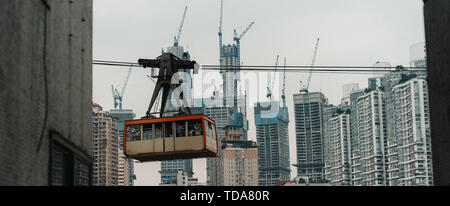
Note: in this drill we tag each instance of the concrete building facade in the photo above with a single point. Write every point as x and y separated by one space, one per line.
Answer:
46 92
437 35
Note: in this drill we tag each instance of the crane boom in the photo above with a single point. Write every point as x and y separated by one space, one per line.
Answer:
126 82
238 38
269 85
246 30
177 38
306 87
283 90
118 97
276 66
220 35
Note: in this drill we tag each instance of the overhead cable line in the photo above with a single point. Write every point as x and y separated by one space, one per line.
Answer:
293 68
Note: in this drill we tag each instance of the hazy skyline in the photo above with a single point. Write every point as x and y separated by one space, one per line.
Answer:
352 32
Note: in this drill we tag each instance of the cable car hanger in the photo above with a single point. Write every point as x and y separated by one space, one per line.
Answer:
168 65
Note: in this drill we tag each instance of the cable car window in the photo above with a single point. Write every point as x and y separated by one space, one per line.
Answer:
147 131
181 128
208 128
158 130
214 132
133 132
195 127
168 132
211 132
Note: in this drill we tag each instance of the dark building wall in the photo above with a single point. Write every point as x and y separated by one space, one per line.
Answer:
437 33
45 82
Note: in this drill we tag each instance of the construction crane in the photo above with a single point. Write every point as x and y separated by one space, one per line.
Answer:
177 38
304 88
270 85
283 90
237 38
220 35
118 97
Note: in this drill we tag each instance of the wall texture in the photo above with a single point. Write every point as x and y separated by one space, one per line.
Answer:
437 32
45 84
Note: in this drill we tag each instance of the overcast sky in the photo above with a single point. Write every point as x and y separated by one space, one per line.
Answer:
352 32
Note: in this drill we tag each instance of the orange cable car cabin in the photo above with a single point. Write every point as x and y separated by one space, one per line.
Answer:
169 138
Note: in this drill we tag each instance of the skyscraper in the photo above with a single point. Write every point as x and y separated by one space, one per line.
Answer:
371 134
338 160
230 75
412 134
105 139
126 165
354 140
273 144
309 127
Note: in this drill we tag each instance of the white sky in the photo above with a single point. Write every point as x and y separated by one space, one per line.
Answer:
352 32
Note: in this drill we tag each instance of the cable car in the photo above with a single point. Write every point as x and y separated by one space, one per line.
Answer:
169 138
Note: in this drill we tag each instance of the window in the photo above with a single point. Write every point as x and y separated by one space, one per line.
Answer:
195 127
214 132
81 172
158 130
208 129
60 166
69 166
147 132
168 132
133 132
181 128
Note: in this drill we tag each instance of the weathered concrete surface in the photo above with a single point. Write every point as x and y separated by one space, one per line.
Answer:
437 32
37 36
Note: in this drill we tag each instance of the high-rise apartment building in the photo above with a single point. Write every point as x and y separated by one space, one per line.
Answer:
105 137
222 116
309 127
126 165
412 133
371 134
338 158
240 159
354 140
273 144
